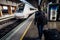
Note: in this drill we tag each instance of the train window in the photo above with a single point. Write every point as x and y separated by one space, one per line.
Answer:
21 7
32 9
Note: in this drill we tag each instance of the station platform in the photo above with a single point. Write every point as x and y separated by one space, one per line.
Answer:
27 30
32 33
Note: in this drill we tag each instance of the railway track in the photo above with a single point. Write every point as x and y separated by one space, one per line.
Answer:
9 25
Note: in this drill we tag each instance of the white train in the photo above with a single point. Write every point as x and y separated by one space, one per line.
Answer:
24 10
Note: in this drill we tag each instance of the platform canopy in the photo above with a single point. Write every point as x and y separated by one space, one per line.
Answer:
33 2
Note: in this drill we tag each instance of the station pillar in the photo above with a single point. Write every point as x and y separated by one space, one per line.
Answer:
15 8
9 10
1 11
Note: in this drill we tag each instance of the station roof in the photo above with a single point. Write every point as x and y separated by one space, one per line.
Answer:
33 2
16 1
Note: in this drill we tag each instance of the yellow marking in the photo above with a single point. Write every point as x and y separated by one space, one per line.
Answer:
25 31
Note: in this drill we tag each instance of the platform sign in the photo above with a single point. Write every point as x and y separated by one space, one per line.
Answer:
53 12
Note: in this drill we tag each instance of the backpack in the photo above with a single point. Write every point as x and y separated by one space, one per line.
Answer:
40 17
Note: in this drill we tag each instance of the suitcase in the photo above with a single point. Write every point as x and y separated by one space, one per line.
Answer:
51 34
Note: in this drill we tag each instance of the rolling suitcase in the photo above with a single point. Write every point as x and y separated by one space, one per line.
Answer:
51 34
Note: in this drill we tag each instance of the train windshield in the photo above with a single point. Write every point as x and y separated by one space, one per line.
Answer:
20 8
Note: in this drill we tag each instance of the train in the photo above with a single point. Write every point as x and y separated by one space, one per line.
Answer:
24 10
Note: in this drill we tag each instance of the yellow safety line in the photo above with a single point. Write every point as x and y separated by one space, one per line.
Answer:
25 31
